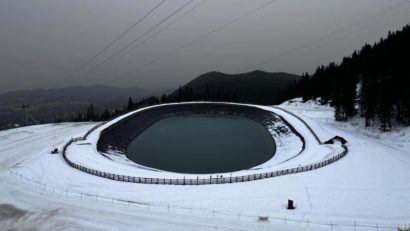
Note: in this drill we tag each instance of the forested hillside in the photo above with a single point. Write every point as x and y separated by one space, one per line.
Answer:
257 87
27 107
374 81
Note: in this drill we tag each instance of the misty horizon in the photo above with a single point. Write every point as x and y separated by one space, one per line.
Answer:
43 42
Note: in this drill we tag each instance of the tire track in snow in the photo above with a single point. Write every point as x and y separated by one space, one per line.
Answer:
309 200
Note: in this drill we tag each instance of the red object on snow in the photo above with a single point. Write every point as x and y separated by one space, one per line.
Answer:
290 204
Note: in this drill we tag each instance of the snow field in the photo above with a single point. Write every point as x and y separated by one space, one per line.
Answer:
368 186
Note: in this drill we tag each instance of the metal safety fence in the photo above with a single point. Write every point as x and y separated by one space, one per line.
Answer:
198 180
265 218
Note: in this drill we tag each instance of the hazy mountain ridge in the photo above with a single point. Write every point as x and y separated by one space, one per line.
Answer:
47 104
254 87
96 92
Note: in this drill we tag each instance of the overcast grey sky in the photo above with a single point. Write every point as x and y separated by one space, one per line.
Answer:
43 41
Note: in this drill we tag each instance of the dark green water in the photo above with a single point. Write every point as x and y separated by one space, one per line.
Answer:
202 144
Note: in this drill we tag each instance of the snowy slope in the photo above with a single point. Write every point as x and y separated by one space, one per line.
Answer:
398 138
369 186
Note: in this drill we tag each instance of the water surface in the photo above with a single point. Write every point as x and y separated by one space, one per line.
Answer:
202 144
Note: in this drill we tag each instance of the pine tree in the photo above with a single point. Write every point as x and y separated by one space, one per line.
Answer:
106 115
164 98
90 116
382 73
385 103
130 104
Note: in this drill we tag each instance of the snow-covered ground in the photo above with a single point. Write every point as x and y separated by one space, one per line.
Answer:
398 138
370 186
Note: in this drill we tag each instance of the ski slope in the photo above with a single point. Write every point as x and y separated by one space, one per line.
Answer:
369 186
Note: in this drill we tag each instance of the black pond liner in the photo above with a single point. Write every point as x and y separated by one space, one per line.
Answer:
118 136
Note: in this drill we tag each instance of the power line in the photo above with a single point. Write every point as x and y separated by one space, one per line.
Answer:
158 31
202 37
338 33
112 42
103 49
332 33
169 24
356 30
134 41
